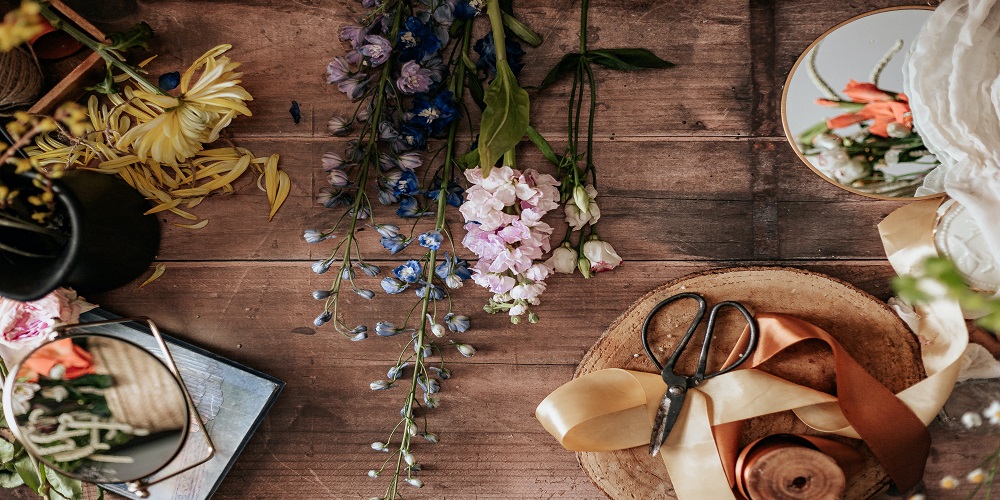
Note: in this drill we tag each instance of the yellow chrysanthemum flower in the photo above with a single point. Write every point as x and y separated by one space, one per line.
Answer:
20 25
172 129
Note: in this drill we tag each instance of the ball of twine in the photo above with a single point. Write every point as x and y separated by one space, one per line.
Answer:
20 79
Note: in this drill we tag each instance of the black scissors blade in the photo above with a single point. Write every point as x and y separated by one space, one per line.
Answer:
666 417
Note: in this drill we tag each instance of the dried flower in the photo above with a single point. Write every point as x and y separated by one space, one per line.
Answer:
416 483
380 385
373 474
178 126
380 446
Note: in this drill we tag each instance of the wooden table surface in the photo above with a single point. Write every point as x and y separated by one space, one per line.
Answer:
695 174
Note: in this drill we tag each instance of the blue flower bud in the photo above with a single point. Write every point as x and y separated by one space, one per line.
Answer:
321 266
323 318
368 294
320 294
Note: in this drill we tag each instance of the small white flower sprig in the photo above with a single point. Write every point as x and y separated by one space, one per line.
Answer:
986 470
577 171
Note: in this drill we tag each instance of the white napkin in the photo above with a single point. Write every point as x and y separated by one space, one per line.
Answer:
953 84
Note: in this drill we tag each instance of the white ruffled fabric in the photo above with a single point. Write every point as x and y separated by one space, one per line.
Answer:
953 83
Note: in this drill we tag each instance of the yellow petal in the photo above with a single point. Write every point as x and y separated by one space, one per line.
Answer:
192 226
160 269
284 186
163 206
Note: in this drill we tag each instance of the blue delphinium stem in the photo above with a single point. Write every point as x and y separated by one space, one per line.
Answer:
419 340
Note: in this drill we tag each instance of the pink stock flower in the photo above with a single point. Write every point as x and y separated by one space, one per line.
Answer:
509 239
23 325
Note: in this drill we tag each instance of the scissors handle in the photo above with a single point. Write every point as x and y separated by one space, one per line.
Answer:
702 306
668 367
751 345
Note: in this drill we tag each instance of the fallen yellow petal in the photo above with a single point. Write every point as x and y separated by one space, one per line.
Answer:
160 268
284 186
192 226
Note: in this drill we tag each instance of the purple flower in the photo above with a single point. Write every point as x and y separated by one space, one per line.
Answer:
467 9
338 125
332 161
354 87
377 49
338 70
409 161
414 79
353 34
331 198
338 178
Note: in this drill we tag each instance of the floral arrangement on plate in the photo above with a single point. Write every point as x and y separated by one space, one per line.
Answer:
414 70
872 146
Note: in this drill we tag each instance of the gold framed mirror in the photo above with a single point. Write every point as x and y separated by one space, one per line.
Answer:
844 111
102 409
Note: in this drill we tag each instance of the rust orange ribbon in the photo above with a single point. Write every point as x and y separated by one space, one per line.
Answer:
847 458
614 409
895 435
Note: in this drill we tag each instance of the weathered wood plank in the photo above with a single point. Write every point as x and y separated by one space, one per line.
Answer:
285 48
315 440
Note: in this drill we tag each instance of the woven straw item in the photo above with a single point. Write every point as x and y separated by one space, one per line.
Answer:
145 394
864 325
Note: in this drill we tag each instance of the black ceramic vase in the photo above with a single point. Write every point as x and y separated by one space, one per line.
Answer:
108 241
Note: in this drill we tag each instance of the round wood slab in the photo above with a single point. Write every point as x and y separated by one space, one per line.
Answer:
864 325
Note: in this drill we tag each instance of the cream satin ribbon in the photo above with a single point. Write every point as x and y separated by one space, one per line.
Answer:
573 413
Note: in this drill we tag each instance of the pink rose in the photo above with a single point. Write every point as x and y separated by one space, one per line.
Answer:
24 324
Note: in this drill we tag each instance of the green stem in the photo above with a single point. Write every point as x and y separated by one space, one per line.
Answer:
496 24
100 48
592 83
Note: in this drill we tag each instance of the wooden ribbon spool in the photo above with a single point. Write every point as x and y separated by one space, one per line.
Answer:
790 472
865 326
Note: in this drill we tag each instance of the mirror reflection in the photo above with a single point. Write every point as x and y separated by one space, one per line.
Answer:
99 409
845 112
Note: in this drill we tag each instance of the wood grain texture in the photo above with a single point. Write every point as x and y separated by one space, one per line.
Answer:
695 175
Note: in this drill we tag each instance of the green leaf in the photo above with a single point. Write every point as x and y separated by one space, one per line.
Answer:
7 451
137 36
27 471
475 87
470 159
805 139
107 85
67 488
10 479
543 145
627 59
522 30
568 63
505 119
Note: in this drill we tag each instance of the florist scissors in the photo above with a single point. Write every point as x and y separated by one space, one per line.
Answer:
678 385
